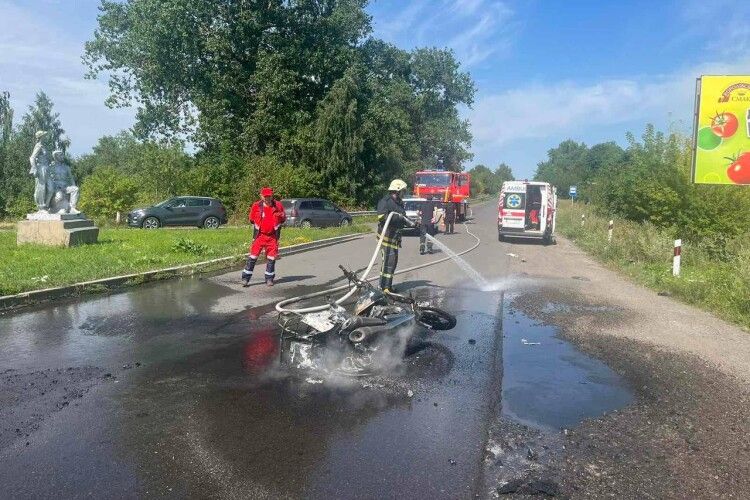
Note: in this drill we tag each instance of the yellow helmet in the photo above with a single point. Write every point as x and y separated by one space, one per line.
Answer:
397 185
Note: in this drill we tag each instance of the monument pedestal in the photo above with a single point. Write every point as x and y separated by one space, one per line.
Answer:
62 230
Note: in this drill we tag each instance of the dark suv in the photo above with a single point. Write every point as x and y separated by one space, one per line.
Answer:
309 212
180 211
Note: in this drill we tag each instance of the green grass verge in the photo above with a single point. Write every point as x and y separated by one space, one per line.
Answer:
644 253
127 251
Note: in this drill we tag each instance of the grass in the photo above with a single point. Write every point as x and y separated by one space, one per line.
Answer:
127 251
643 252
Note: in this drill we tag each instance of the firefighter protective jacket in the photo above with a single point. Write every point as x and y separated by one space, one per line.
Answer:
386 205
267 219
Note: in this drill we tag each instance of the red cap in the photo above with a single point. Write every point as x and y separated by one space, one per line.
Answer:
266 191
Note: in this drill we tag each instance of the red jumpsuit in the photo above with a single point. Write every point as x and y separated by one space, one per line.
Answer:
266 220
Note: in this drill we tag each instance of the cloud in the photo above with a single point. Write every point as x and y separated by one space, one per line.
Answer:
474 29
37 54
571 108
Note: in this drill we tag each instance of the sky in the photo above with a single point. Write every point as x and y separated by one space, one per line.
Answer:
545 70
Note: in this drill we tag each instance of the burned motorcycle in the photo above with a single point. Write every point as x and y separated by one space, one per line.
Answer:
337 340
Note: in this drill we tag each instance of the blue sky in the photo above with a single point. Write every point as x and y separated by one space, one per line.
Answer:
545 70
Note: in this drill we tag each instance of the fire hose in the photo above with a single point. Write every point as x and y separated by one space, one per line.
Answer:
281 306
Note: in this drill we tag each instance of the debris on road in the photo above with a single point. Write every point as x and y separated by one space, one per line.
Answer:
526 342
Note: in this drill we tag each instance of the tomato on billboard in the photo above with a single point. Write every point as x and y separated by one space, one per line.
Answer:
722 130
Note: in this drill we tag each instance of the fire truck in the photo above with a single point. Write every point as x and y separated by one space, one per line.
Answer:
448 187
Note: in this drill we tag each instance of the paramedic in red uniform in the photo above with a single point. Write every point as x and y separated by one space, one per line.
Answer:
267 216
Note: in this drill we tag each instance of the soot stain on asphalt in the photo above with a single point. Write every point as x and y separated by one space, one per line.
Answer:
687 435
29 398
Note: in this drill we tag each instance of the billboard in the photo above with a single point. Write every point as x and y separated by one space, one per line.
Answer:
722 130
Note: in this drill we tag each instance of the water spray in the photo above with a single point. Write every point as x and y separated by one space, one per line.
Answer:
282 306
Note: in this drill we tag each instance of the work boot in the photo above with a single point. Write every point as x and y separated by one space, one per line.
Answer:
245 279
269 282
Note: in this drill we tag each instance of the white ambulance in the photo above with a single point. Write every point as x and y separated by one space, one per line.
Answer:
527 210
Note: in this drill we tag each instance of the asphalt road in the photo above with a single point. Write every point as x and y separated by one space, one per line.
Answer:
173 389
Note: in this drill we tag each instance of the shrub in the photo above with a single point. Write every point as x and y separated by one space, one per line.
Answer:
107 191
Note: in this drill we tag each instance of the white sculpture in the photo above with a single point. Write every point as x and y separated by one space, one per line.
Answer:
39 168
62 191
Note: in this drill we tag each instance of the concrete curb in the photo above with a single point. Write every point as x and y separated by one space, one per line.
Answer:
9 302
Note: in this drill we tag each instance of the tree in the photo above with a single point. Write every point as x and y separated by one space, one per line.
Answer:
298 81
108 191
504 173
19 142
485 181
565 166
6 134
241 72
340 143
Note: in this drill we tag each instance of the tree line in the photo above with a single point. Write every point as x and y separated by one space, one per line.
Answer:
486 181
649 181
297 94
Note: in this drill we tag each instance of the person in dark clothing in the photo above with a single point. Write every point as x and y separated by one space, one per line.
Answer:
391 202
428 225
450 217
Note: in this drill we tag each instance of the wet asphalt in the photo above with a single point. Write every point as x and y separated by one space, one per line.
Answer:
175 389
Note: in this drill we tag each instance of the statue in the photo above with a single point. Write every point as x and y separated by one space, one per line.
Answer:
62 192
39 168
57 221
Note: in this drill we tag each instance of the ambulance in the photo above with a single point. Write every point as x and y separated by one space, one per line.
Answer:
527 210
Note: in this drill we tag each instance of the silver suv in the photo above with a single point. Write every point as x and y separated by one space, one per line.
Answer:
314 212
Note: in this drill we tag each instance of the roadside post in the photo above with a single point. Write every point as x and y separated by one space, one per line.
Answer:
677 257
609 231
583 220
118 218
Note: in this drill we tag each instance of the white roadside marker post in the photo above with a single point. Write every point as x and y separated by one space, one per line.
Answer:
118 218
609 231
677 257
583 220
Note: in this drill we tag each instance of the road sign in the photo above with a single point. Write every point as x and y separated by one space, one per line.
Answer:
573 191
722 130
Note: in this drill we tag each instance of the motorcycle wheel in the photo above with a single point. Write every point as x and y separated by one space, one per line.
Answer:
436 319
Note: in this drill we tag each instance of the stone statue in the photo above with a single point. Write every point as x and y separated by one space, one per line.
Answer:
39 169
57 221
62 192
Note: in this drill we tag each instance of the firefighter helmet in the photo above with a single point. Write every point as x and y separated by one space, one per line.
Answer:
397 185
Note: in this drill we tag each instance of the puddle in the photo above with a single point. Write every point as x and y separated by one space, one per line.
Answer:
547 382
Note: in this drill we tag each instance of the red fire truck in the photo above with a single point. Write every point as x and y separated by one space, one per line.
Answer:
449 187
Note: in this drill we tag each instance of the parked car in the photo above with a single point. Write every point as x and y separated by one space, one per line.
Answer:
314 212
180 211
412 206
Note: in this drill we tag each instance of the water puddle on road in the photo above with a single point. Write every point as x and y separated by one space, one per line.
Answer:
547 382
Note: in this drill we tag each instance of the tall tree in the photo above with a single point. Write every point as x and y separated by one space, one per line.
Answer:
503 172
17 183
6 133
247 70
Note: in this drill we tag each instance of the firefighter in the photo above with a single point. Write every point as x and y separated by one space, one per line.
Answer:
450 217
430 215
391 202
267 215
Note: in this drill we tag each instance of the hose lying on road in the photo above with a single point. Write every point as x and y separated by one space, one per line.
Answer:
281 306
